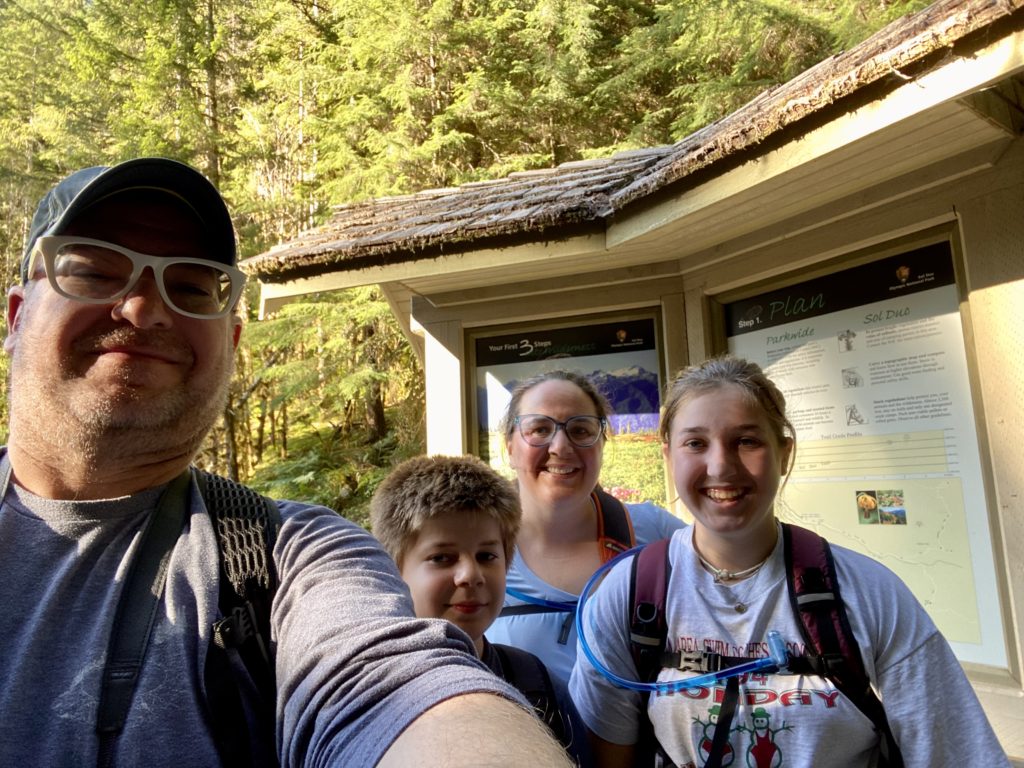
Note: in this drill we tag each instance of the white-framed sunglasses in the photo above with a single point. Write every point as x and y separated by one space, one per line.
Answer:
98 272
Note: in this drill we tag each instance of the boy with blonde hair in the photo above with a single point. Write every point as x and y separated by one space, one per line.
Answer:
450 523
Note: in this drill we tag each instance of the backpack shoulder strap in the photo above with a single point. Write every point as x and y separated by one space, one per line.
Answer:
648 592
529 676
614 527
240 681
648 632
832 651
246 523
135 614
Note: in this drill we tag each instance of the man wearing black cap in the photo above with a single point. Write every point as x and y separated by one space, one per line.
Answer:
121 337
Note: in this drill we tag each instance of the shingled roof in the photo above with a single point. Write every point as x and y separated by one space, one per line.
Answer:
577 196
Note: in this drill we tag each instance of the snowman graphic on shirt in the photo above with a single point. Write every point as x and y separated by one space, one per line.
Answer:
708 737
763 751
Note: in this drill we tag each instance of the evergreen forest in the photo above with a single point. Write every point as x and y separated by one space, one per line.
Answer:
293 106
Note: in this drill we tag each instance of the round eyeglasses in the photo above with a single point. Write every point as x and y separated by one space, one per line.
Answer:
98 272
539 430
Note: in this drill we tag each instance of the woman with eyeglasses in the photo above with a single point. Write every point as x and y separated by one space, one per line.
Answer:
555 428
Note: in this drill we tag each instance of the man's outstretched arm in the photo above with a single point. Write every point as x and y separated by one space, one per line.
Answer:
358 674
477 729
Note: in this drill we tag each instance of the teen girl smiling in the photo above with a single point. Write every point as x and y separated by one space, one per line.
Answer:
729 445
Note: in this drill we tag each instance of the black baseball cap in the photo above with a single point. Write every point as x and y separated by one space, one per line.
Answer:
66 201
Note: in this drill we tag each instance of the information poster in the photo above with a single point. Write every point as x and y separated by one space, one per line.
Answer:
873 366
620 358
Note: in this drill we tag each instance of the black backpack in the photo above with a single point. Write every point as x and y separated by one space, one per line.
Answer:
527 674
831 650
239 677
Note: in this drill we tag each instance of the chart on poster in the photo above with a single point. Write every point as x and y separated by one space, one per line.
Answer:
873 365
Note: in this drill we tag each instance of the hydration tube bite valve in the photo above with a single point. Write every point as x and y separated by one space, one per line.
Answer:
776 660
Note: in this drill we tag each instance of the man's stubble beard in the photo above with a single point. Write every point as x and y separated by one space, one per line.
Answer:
94 426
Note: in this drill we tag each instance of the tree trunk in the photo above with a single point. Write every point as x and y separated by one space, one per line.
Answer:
213 102
261 427
377 418
282 449
230 442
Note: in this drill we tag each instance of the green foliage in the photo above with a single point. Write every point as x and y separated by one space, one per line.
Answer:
853 21
323 468
290 106
331 396
700 60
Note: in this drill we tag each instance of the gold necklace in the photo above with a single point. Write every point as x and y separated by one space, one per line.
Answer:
723 574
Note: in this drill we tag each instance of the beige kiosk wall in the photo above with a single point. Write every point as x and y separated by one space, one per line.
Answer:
873 365
985 209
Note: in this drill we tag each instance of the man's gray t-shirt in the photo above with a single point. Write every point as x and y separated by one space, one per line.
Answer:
354 667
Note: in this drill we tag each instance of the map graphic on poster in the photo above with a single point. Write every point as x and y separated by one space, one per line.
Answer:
620 358
873 366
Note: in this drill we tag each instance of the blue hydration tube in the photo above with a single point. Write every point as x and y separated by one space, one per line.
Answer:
776 660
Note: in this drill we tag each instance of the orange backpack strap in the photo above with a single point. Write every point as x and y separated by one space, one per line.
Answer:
614 528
